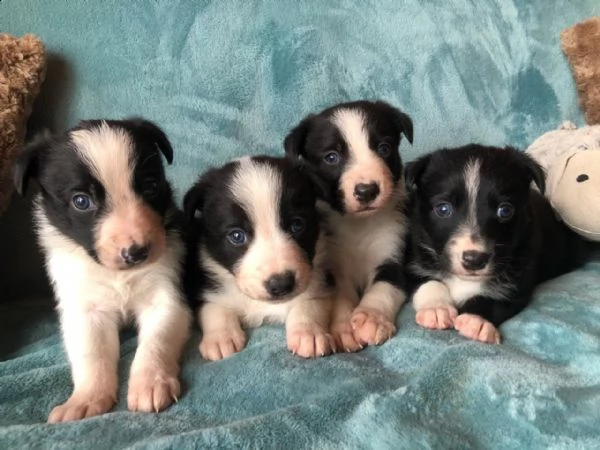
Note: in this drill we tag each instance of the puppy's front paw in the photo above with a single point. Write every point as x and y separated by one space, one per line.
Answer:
477 328
152 390
440 318
82 405
217 345
344 337
371 327
309 341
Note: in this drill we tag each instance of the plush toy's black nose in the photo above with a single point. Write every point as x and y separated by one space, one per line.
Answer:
582 177
281 284
135 254
474 260
366 192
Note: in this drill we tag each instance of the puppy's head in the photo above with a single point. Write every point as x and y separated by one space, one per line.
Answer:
353 148
103 186
471 207
260 223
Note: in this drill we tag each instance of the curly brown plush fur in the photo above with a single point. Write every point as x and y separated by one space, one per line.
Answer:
581 44
22 71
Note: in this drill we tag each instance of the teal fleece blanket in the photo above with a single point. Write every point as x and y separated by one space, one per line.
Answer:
226 78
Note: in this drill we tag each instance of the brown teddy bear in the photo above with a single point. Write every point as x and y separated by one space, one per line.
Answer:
22 71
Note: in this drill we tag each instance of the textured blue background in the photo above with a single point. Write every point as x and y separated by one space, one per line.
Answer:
228 78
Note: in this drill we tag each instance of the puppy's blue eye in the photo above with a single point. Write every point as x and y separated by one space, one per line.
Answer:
505 211
297 225
443 209
331 158
237 237
384 149
82 202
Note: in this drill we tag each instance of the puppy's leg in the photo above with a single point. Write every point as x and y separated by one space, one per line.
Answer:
374 319
163 325
434 307
480 316
222 333
344 303
306 327
91 339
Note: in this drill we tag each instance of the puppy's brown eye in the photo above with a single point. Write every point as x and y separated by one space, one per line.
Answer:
581 178
331 158
384 149
150 187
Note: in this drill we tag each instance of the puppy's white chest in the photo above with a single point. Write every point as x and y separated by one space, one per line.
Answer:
463 290
359 247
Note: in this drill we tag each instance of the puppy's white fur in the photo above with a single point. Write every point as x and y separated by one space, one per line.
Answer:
94 301
359 243
240 298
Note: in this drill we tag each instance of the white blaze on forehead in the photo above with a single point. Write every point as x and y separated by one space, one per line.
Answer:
107 151
472 180
353 127
257 187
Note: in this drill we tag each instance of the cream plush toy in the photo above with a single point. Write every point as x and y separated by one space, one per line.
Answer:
571 158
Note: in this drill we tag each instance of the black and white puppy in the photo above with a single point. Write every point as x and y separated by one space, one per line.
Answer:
108 227
261 256
353 148
481 238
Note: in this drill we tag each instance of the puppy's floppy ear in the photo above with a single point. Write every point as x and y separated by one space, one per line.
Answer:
26 165
402 121
157 134
319 185
193 201
295 142
414 170
534 170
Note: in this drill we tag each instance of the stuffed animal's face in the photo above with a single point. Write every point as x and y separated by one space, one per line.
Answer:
574 190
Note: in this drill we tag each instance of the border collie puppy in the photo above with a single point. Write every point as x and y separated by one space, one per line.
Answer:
353 149
261 256
107 225
481 238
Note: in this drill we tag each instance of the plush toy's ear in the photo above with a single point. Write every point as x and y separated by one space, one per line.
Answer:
295 142
414 170
26 165
154 131
535 171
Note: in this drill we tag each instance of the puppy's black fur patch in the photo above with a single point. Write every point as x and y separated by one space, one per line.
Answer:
531 247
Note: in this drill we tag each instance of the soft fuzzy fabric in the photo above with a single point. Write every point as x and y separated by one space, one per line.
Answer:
225 78
581 44
22 71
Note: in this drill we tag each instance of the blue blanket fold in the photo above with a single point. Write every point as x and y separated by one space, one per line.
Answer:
226 78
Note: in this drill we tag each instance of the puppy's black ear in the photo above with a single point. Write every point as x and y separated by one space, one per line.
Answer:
295 142
158 135
414 170
534 170
402 121
193 201
26 164
320 186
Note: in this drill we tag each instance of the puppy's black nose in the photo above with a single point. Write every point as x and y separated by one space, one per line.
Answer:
474 260
135 254
281 284
366 192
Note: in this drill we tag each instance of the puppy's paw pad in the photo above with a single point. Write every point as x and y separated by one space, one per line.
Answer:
310 341
80 406
477 328
439 318
371 327
344 337
215 346
152 390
